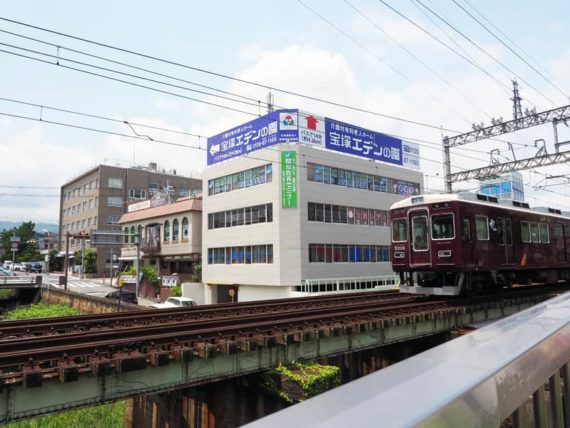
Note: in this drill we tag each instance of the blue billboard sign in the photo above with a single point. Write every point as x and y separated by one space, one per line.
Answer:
288 126
353 140
275 127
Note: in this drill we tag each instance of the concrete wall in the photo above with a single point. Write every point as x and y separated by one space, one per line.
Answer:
86 304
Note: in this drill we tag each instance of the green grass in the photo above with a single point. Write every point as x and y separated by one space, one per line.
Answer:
41 310
105 416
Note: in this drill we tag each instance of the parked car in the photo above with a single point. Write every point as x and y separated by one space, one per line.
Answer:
7 264
5 272
34 267
125 296
175 302
18 267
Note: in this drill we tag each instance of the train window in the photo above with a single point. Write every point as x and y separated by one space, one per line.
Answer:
525 231
420 233
466 229
534 232
482 224
544 235
400 230
442 226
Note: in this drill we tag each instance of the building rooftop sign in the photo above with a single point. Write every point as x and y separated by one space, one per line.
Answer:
288 126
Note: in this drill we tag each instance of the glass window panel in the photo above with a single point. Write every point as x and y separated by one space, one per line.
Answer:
328 213
350 215
311 211
269 213
442 226
334 176
247 215
544 235
482 225
342 215
534 232
270 253
319 212
525 231
328 253
420 233
364 213
335 214
357 216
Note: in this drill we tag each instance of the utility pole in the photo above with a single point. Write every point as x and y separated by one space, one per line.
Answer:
517 108
447 164
138 244
270 106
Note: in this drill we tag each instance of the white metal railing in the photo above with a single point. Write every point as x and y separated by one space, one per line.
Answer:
514 372
316 287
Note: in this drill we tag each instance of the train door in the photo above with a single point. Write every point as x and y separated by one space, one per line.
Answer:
467 242
419 230
505 239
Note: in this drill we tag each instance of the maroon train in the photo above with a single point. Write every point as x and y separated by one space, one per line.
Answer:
462 243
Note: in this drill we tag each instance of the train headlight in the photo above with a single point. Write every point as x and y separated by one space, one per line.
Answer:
399 255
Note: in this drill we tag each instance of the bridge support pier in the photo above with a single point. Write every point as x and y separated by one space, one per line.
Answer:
228 403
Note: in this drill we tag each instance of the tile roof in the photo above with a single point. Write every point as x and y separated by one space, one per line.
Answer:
181 205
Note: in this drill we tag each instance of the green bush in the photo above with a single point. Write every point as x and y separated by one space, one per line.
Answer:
176 291
41 310
197 274
105 416
150 275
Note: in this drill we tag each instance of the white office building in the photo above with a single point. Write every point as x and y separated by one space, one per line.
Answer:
290 218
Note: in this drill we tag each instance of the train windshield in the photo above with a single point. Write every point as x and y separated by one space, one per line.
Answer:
442 226
420 233
400 230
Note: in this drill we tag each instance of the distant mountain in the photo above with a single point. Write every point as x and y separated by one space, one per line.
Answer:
40 227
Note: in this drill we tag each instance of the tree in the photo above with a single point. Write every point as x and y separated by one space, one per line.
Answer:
27 248
197 274
90 261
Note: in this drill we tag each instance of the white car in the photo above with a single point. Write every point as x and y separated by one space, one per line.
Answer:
175 302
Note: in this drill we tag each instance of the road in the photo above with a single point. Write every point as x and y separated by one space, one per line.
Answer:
94 287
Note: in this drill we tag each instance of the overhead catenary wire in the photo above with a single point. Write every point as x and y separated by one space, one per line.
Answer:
485 52
228 77
416 58
58 62
382 61
510 49
517 46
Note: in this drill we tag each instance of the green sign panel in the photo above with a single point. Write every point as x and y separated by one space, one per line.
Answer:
289 179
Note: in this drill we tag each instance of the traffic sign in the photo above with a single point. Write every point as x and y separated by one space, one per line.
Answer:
14 239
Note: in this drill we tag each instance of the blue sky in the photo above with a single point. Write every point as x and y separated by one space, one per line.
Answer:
281 44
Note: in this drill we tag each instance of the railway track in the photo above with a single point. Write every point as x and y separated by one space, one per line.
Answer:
89 344
85 323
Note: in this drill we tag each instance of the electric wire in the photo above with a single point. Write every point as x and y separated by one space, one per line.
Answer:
536 63
484 51
510 49
382 61
150 71
415 57
225 76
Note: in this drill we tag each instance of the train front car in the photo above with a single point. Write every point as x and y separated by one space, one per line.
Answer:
427 244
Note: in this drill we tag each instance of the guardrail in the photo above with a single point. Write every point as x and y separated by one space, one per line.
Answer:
21 281
323 286
515 371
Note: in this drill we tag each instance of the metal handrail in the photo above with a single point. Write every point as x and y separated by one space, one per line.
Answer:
478 380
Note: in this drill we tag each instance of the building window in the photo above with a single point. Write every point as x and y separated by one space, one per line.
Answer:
241 216
114 201
241 180
348 253
115 183
152 188
341 177
175 229
346 215
166 231
133 234
112 219
185 229
241 255
183 191
126 235
137 194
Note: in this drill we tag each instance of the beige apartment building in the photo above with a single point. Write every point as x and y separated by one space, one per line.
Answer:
170 236
96 200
